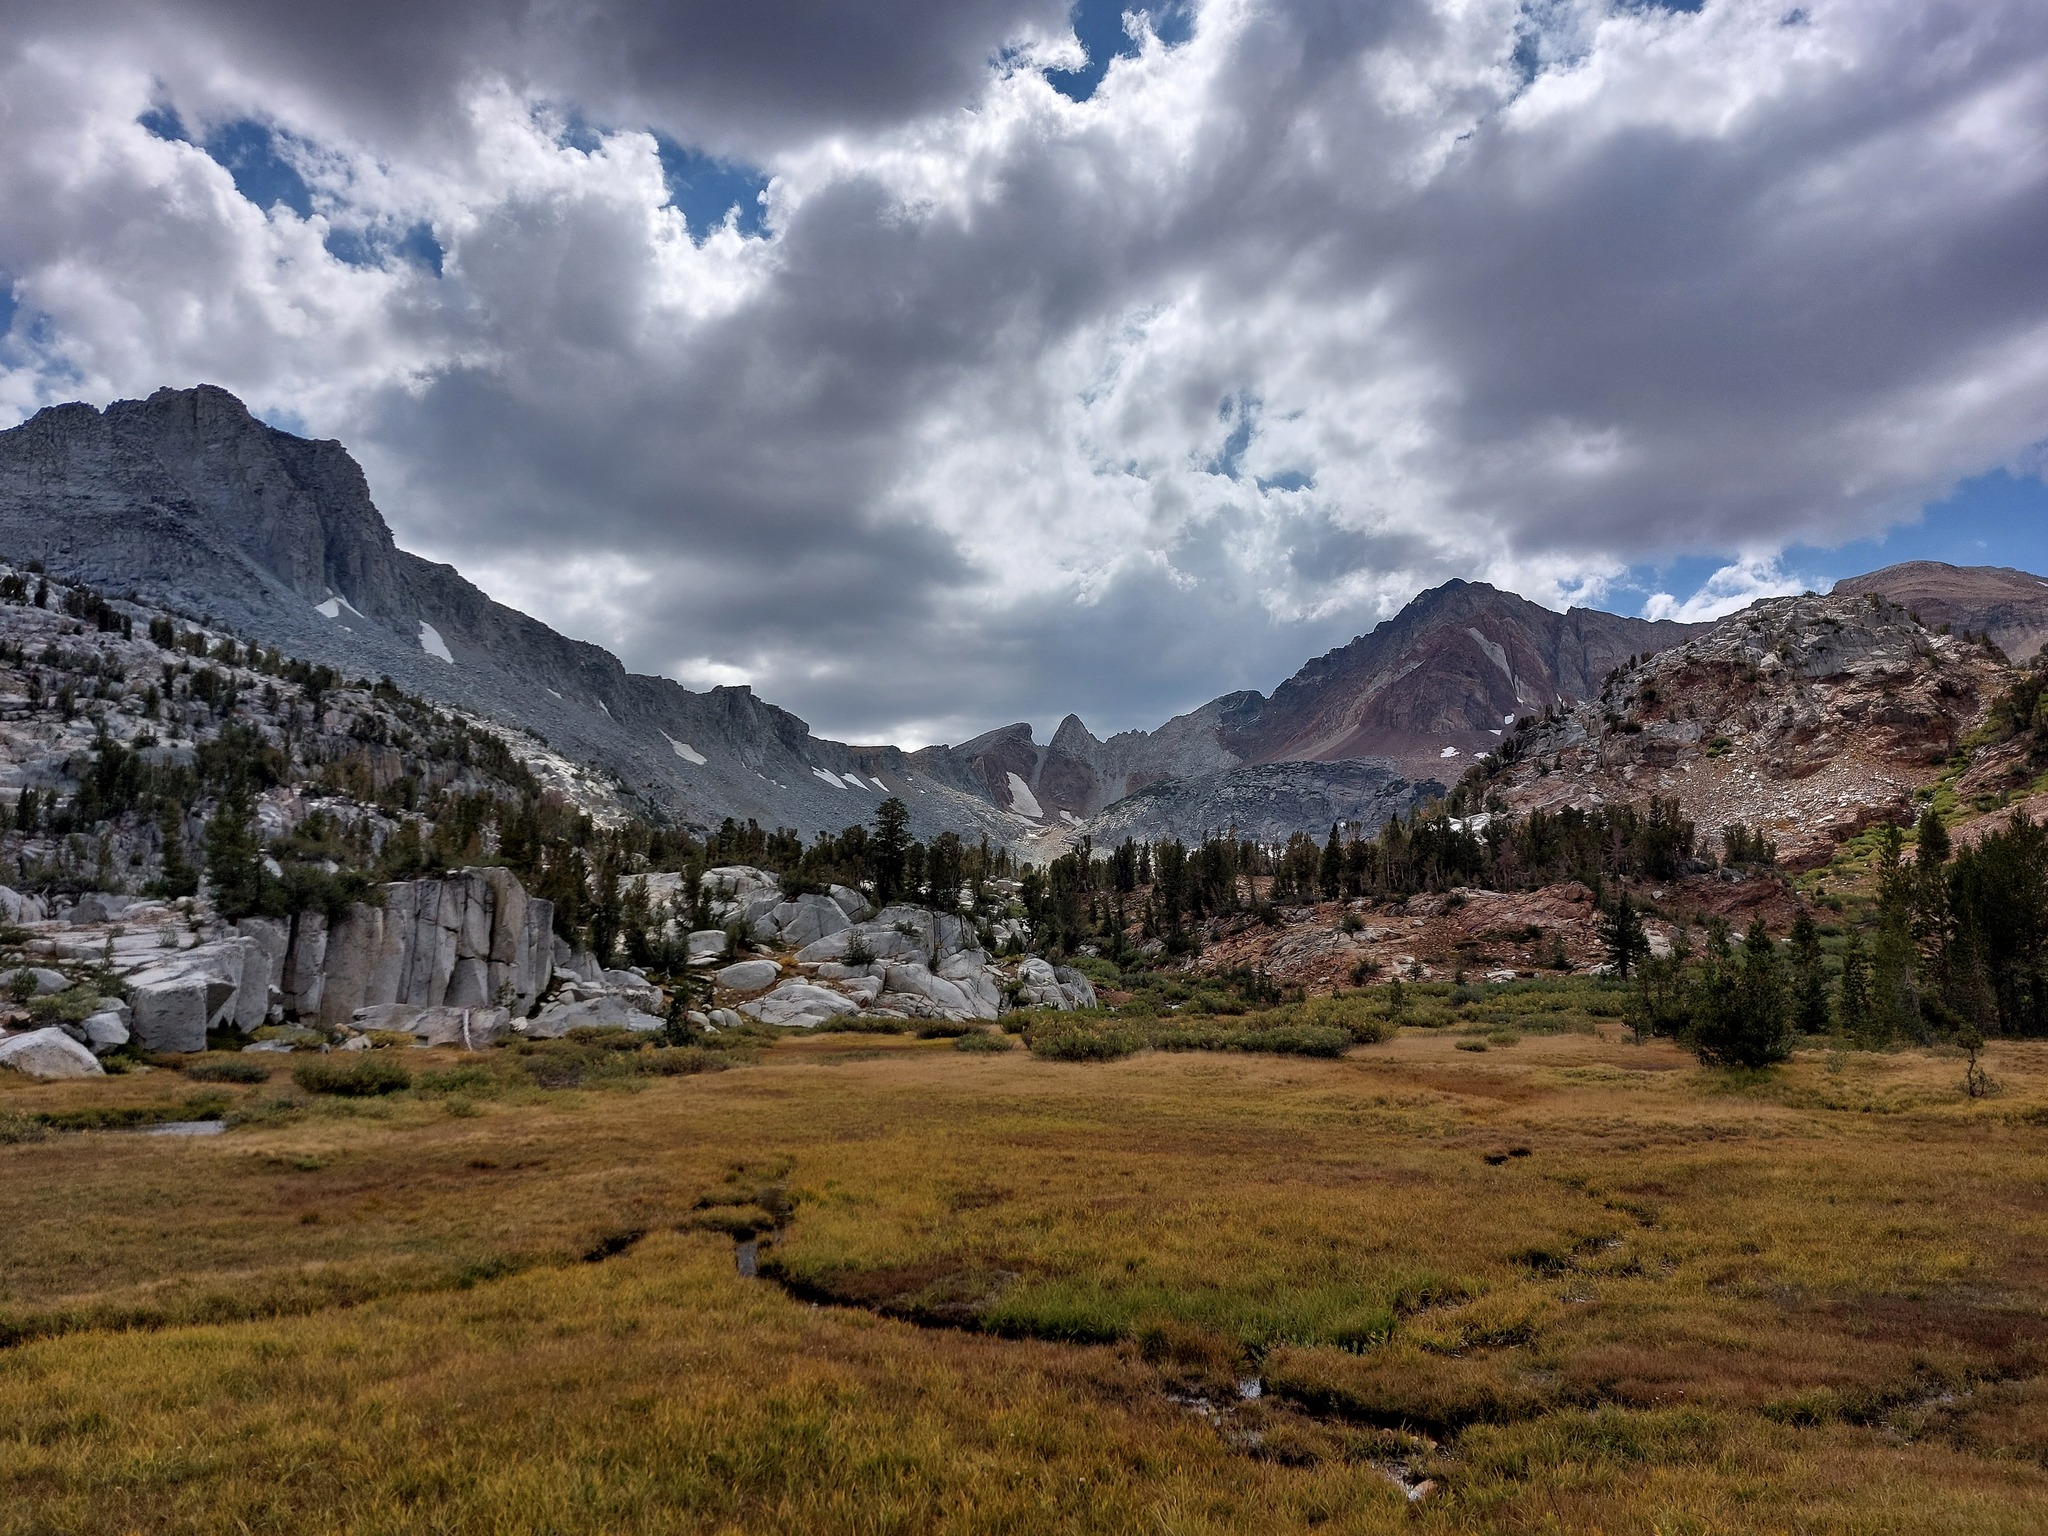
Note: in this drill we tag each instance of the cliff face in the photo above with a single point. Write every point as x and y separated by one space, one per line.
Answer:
192 504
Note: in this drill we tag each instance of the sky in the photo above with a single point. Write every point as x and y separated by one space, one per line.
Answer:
942 364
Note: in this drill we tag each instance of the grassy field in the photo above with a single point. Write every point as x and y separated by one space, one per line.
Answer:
1573 1283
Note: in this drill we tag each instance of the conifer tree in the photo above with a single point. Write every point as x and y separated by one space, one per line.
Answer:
889 849
1852 992
234 859
179 878
1622 933
1331 874
1809 978
1894 984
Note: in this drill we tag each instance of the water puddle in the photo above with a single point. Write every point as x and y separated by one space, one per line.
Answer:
186 1128
746 1256
1407 1479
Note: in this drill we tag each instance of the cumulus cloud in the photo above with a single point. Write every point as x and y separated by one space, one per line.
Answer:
1019 403
1732 588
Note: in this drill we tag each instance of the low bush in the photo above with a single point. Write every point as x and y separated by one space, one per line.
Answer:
860 1024
233 1069
1276 1039
15 1128
1064 1038
129 1117
365 1077
982 1040
456 1080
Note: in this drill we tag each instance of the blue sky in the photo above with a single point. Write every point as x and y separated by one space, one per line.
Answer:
1034 396
2000 518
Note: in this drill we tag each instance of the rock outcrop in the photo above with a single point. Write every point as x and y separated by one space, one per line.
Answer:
48 1053
473 939
2009 607
1267 802
434 959
1807 718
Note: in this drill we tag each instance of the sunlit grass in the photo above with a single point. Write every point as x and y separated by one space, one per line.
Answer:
1616 1291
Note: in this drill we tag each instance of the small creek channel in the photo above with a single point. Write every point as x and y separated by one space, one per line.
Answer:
1223 1416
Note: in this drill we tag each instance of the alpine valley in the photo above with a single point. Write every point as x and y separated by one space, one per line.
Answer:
187 504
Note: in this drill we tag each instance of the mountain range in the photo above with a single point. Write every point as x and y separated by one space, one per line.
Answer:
190 503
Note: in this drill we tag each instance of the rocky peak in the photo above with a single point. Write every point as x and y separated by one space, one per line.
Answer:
1807 717
2009 606
1443 679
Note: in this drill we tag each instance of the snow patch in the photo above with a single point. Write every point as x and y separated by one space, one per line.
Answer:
829 778
1070 818
432 643
335 607
879 785
1507 719
1448 752
607 712
1023 801
683 749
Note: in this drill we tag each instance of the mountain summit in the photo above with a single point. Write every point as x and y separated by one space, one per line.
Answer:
191 503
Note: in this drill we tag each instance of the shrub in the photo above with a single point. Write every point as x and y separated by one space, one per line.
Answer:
677 1061
1104 973
982 1040
234 1069
859 1024
1062 1039
363 1078
17 1127
941 1029
1295 1040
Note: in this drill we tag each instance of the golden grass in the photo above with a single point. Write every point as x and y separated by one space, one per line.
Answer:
1612 1291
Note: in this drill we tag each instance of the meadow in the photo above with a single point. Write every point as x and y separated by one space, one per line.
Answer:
1563 1283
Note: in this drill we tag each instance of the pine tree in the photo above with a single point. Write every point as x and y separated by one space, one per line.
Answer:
1894 987
1331 874
1809 978
1622 933
1740 1013
605 905
889 849
179 878
1852 992
234 859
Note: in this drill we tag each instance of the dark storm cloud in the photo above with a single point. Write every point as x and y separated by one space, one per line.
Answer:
1007 404
743 78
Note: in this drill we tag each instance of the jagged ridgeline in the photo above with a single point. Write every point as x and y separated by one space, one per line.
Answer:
186 502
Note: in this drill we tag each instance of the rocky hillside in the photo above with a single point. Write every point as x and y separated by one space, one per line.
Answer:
1805 718
2010 607
1267 802
1420 697
188 503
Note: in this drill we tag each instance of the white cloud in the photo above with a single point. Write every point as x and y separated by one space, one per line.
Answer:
1732 587
1027 404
